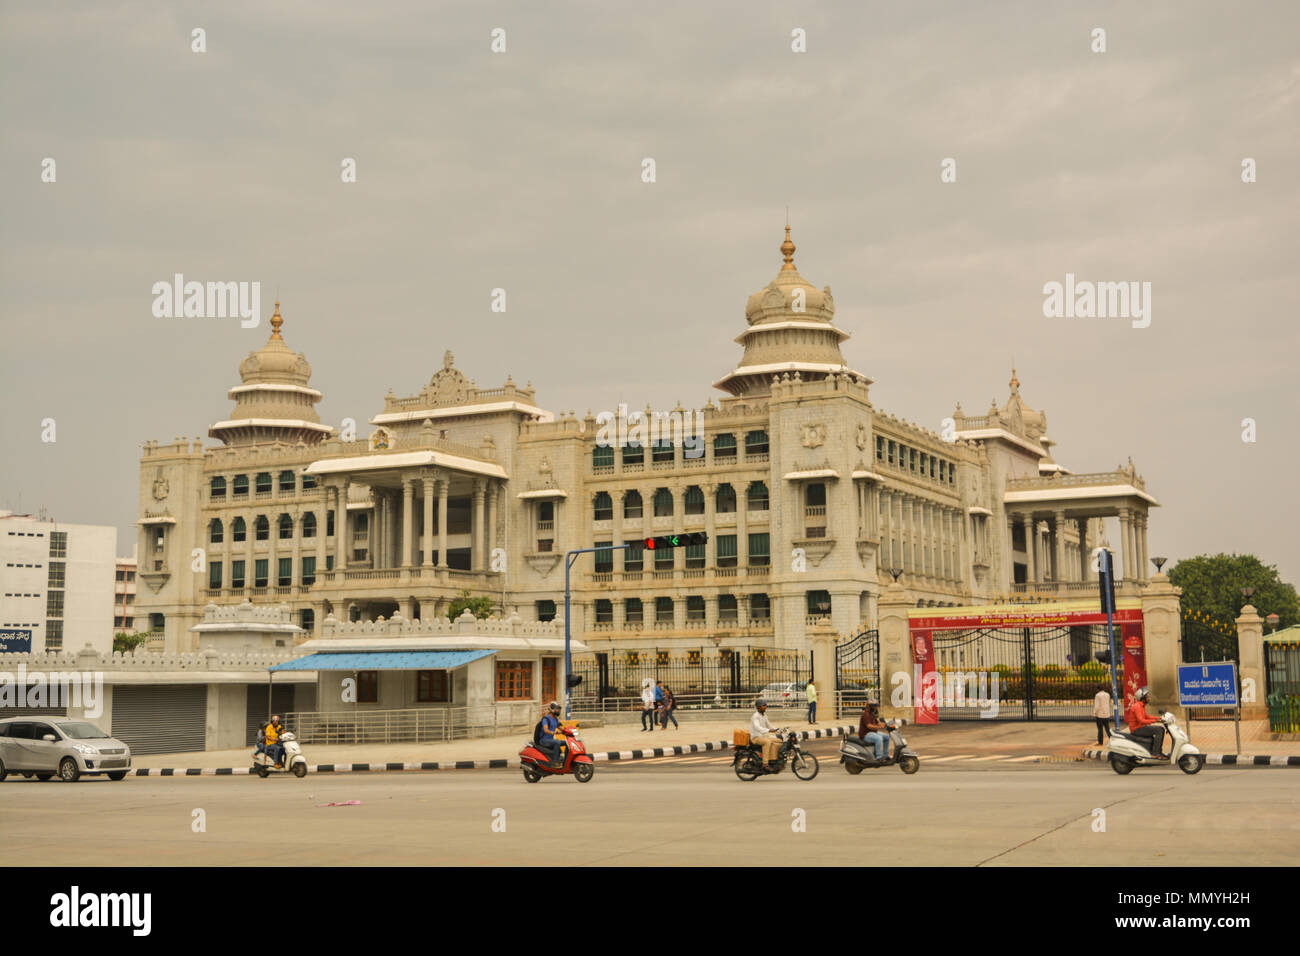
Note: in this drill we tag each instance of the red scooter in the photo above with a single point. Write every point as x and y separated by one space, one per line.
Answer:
535 763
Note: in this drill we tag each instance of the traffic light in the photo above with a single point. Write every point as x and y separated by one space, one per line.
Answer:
675 540
574 680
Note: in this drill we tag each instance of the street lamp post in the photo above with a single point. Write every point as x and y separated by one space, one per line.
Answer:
569 558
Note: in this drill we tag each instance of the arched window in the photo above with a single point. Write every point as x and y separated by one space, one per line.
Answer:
309 525
216 532
632 504
288 481
603 508
724 501
724 446
757 496
263 483
663 502
238 530
241 486
217 487
633 454
286 527
694 500
262 527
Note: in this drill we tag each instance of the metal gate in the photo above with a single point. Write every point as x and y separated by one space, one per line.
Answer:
1022 673
857 671
257 715
162 719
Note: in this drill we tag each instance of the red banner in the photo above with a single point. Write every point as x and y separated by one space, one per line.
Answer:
926 694
1135 661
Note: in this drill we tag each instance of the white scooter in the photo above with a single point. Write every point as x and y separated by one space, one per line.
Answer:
294 761
1127 751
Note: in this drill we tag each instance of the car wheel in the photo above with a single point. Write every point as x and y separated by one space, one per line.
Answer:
3 772
117 775
69 772
42 776
28 774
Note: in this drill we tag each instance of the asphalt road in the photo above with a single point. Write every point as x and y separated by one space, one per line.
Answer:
654 815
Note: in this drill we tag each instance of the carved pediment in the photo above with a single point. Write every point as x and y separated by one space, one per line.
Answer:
543 562
815 549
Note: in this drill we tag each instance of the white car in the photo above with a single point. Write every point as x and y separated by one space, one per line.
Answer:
42 747
785 693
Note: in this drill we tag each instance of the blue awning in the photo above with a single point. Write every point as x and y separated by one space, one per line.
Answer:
382 661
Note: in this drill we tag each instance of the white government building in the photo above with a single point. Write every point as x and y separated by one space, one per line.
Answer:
808 492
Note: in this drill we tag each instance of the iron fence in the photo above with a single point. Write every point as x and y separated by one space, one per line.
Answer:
1282 668
1201 642
702 672
412 725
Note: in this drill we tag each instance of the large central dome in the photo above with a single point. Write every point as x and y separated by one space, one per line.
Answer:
790 329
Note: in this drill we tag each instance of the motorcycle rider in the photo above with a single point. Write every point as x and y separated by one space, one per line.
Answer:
546 739
274 749
874 732
762 732
1150 730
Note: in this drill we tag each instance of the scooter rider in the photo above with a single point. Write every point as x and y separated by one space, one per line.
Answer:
762 732
874 731
274 749
546 740
1144 726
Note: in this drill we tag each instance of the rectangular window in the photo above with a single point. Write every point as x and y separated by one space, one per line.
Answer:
432 687
514 680
727 607
58 544
236 574
54 604
604 559
880 448
726 544
546 610
724 446
633 611
759 553
661 450
604 611
329 524
634 556
284 575
694 607
664 559
664 610
892 446
756 443
53 635
260 571
367 687
760 607
695 555
58 573
214 574
309 570
602 456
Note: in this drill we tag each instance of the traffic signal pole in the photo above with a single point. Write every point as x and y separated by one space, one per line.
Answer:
569 558
1106 579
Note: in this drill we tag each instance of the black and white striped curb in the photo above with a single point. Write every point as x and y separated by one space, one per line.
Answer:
1225 760
501 763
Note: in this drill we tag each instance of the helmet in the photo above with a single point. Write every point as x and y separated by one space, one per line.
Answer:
553 707
761 702
1143 694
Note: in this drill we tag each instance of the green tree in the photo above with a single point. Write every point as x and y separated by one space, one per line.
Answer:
1212 587
480 607
124 643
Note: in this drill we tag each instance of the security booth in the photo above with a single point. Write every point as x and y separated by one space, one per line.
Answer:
391 681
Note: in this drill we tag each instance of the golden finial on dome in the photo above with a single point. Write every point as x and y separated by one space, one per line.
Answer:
787 250
1015 382
276 321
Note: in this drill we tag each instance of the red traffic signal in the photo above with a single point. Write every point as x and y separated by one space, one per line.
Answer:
675 540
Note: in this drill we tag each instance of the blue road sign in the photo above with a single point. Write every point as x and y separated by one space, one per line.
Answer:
15 640
1207 685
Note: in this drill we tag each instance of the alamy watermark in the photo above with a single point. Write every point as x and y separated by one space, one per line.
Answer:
82 689
947 689
650 428
1098 300
179 299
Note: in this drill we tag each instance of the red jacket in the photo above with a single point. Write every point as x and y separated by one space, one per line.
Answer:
1136 716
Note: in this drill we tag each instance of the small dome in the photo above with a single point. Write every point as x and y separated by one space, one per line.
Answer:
776 300
275 362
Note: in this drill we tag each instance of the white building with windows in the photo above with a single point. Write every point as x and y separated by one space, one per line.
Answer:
56 585
808 492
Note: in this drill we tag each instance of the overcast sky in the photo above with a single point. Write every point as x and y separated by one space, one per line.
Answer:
522 170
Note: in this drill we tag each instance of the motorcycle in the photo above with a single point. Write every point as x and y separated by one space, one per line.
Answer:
536 763
858 756
750 765
293 762
1127 751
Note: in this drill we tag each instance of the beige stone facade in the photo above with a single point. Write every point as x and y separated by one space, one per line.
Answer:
809 495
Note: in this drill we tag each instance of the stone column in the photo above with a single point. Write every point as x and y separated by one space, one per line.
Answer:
710 490
322 525
443 487
341 543
895 652
1161 632
1124 542
490 533
1031 549
295 559
1143 564
906 526
742 532
822 636
477 531
408 522
250 535
426 552
375 542
1084 566
1250 651
1058 534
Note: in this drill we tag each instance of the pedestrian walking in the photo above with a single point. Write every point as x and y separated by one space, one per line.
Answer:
647 705
1102 711
659 702
667 708
812 702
